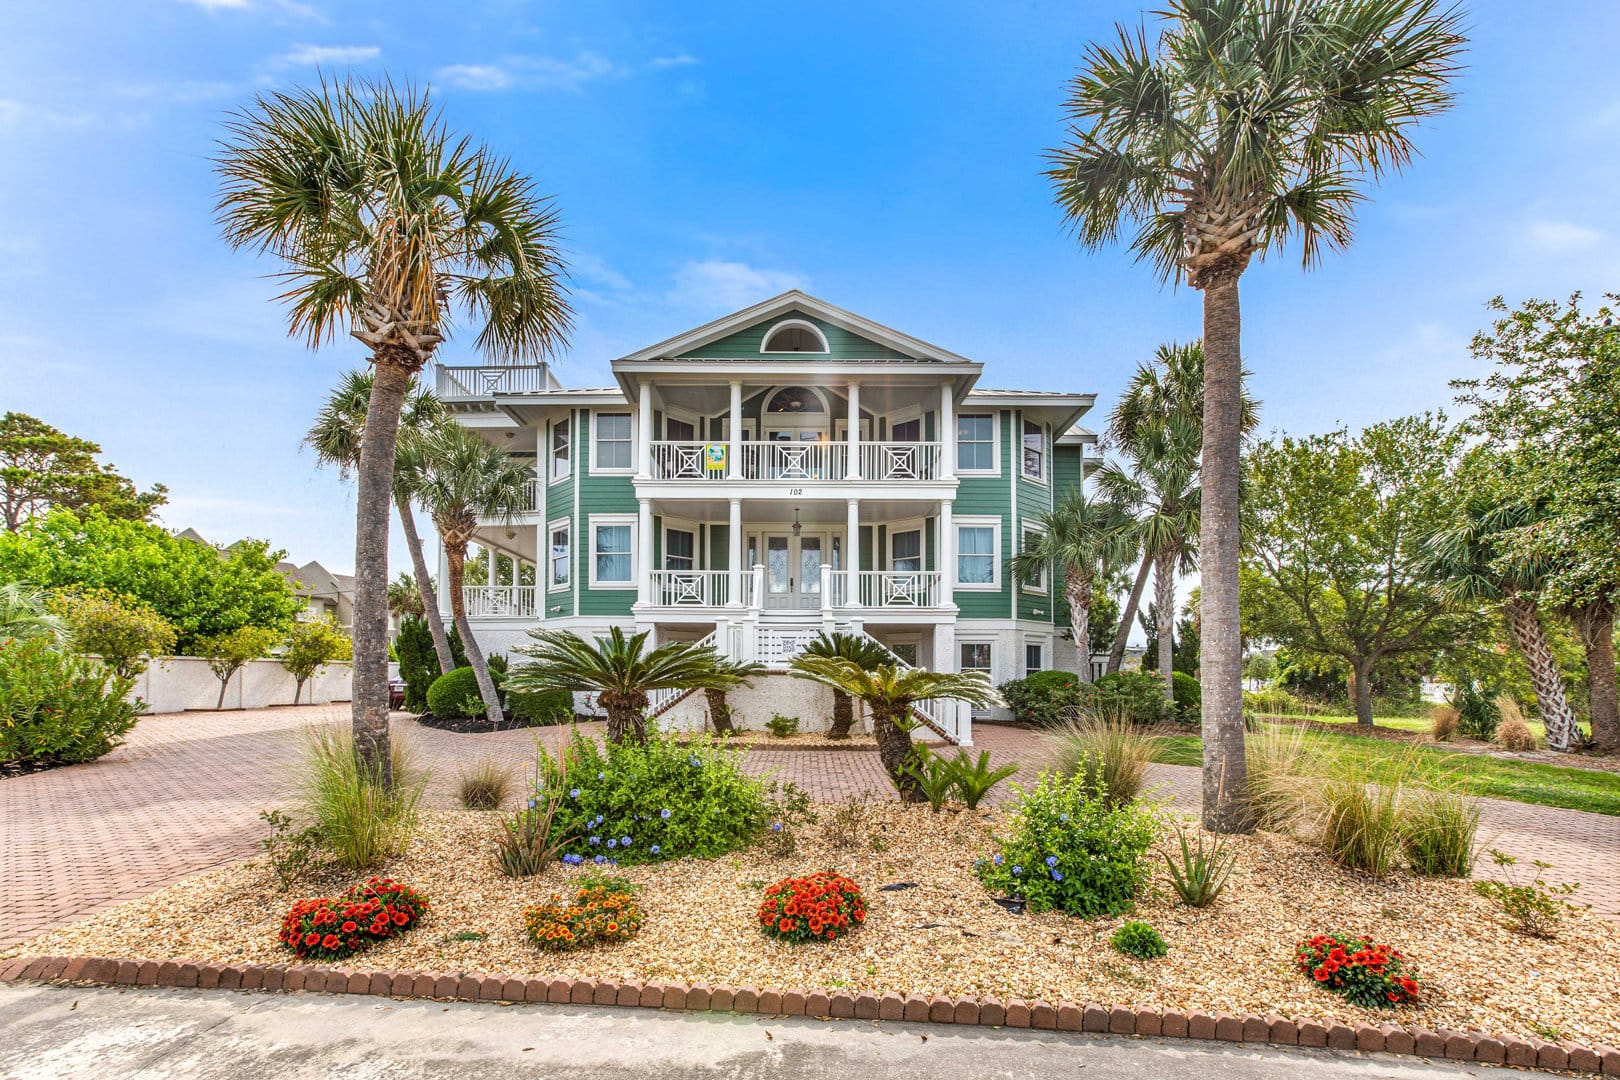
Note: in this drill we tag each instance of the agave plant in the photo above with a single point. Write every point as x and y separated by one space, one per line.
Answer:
858 649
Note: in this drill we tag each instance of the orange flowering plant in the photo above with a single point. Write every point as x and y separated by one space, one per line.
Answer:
820 907
1359 971
325 928
603 911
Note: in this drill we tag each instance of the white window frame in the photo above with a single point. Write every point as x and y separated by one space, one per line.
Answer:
591 522
916 525
1044 587
902 416
788 324
566 527
685 527
551 450
994 525
995 444
596 468
685 416
1042 642
1046 453
989 671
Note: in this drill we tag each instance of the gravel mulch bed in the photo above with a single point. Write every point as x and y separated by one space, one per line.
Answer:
944 936
803 740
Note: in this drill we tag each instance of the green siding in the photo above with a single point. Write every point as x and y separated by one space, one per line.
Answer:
600 495
1034 500
842 344
1069 469
719 547
988 496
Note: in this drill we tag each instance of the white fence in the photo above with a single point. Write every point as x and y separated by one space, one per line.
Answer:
178 683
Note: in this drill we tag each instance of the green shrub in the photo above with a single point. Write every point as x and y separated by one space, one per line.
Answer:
1477 712
1201 873
360 821
1043 698
57 708
1140 940
1134 696
935 776
543 709
1437 833
418 662
782 726
1189 697
631 804
1068 850
1105 753
121 630
454 695
1272 701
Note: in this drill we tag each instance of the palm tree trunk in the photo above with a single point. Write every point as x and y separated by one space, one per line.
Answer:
424 585
1595 625
1226 773
1078 593
843 715
1116 655
369 629
1164 598
456 556
627 717
719 711
894 749
1524 623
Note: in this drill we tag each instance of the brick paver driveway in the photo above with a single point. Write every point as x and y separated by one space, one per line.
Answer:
184 794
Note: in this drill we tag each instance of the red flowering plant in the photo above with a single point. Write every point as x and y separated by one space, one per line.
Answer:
603 911
820 907
325 928
1359 971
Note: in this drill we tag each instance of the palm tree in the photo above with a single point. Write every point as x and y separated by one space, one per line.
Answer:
336 437
459 478
23 615
1085 542
858 649
1245 123
389 228
735 673
889 691
406 598
621 670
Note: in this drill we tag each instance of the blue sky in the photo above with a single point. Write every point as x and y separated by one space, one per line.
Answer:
704 156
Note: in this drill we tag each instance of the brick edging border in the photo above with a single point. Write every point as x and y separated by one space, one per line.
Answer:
838 1004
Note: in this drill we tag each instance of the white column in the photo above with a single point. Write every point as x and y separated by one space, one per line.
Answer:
854 467
852 557
444 582
644 430
644 553
734 451
494 565
734 556
945 552
947 430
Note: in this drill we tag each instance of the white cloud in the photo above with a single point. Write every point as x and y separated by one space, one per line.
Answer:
682 60
529 72
296 8
1562 237
718 284
474 77
594 270
307 55
11 112
14 114
220 5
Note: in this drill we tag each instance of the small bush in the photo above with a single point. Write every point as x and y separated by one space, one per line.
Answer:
454 695
1371 976
1437 833
1444 723
485 785
1535 908
973 780
292 855
1200 875
935 777
1043 698
1068 849
1513 735
1272 701
359 821
1361 823
603 911
846 828
545 709
1477 714
782 726
1281 775
335 929
1189 697
57 708
1140 940
821 907
121 630
1137 697
1107 753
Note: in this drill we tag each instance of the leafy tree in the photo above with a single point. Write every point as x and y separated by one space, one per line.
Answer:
889 692
25 615
860 650
121 630
1247 122
229 652
1334 564
200 589
44 469
309 645
1104 619
1552 401
621 670
389 227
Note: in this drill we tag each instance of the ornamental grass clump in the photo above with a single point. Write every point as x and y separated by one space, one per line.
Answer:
484 785
325 928
1107 751
1068 849
1365 974
1360 823
359 819
1281 775
603 911
820 907
1437 832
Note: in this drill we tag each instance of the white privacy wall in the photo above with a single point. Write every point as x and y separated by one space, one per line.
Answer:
177 683
752 705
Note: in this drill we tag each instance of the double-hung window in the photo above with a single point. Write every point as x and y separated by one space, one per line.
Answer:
976 556
1037 581
613 441
559 555
1034 450
614 553
559 449
1034 657
976 443
906 553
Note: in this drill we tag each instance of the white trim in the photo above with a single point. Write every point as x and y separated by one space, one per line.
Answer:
591 522
791 324
1044 642
566 525
1046 452
917 525
1027 526
552 476
995 442
994 524
681 525
598 470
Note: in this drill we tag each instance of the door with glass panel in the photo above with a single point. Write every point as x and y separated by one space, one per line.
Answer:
793 571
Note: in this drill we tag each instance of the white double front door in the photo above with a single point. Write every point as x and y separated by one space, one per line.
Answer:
793 570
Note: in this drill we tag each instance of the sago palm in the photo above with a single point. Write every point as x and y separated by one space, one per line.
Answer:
620 670
1244 124
730 675
388 228
336 437
459 478
858 649
1085 542
889 691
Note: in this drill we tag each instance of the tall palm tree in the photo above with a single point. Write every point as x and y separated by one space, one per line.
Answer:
389 227
337 436
23 615
1244 124
858 649
621 670
459 478
1085 542
889 691
405 598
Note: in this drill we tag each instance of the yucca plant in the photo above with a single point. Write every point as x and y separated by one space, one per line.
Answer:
975 779
1201 872
858 649
620 670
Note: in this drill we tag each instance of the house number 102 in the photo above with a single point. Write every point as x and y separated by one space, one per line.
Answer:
795 491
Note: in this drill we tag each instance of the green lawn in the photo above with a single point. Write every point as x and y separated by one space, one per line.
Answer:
1519 781
1420 724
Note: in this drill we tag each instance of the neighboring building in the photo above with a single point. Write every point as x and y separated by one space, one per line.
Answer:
790 468
326 595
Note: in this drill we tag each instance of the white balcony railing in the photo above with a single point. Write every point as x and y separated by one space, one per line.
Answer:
900 588
690 588
497 601
900 461
795 460
688 461
489 380
770 460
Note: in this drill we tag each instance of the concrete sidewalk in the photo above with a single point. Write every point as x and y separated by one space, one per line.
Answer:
66 1031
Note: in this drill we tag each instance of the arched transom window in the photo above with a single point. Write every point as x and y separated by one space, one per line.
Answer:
795 400
794 335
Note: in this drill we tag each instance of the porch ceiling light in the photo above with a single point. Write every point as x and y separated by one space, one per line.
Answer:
797 528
